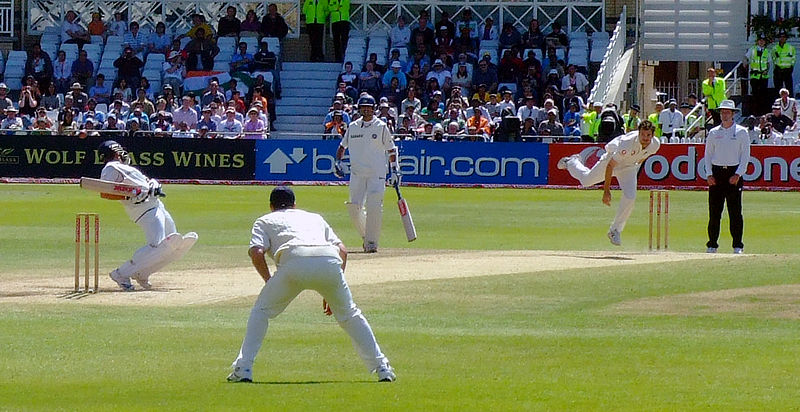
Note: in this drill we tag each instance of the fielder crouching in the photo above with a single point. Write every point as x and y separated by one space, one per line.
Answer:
623 157
164 243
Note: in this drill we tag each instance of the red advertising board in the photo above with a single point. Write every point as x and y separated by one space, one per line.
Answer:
683 165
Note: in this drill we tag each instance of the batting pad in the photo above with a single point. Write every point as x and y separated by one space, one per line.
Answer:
148 256
181 246
357 216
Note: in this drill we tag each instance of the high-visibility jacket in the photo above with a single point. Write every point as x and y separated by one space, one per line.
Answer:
714 93
316 11
631 122
784 56
759 63
653 118
340 10
592 119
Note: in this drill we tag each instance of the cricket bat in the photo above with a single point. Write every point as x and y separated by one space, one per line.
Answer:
405 215
109 188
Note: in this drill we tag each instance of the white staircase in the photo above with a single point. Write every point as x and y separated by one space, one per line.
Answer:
308 90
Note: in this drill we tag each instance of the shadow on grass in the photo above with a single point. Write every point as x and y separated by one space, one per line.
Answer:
597 257
307 382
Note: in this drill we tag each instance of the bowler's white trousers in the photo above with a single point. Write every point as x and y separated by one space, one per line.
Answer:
626 177
317 268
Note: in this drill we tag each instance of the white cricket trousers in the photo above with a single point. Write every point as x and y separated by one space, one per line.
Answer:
368 191
626 177
316 268
157 224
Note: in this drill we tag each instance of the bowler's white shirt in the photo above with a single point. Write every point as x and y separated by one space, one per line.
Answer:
368 143
116 171
287 228
728 147
627 150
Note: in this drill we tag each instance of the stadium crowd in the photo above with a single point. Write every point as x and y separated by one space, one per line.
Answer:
72 97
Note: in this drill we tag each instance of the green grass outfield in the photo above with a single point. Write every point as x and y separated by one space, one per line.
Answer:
552 340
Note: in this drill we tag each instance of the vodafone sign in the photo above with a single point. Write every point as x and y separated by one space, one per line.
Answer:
683 165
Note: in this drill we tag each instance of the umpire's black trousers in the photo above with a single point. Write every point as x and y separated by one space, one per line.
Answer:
718 194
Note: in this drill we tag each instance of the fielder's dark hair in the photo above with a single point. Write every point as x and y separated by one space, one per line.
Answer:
281 197
647 125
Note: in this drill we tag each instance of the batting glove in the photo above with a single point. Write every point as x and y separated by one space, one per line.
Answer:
338 169
395 177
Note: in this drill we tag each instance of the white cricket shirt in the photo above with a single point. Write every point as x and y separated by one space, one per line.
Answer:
728 147
284 229
368 143
116 171
627 150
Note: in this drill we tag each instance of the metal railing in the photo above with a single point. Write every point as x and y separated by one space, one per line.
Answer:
611 61
775 8
7 17
700 122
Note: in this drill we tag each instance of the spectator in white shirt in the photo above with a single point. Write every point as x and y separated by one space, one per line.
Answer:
670 119
788 105
72 31
575 79
62 72
400 34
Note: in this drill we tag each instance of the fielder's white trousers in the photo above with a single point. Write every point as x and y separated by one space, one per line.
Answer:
626 177
157 224
316 269
368 191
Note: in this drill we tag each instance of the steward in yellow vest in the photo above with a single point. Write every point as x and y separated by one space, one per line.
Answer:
784 56
316 12
340 24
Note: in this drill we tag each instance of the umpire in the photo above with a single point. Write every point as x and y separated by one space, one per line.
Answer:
726 156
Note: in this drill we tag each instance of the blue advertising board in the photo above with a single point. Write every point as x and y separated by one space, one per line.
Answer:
420 161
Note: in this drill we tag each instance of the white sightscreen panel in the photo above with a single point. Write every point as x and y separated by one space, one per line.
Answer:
693 30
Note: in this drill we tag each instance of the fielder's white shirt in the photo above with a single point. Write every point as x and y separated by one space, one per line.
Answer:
368 143
283 229
116 171
627 150
670 120
728 147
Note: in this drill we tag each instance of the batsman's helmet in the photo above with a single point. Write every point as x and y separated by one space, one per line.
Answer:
109 148
366 101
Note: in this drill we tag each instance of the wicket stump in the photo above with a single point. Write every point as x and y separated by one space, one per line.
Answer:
661 198
84 220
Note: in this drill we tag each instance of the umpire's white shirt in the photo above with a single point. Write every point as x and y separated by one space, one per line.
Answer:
728 147
368 143
627 150
285 229
116 171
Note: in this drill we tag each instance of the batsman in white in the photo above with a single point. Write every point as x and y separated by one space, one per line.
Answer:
164 243
368 140
623 157
308 255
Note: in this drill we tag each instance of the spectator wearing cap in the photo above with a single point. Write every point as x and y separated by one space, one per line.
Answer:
478 124
162 123
206 119
185 113
541 115
96 27
128 67
204 133
230 126
529 109
461 76
5 101
72 31
273 24
507 101
174 70
485 75
201 48
760 58
670 119
140 116
551 126
780 122
395 72
631 119
229 25
338 104
159 41
135 39
254 127
400 35
79 97
100 92
241 61
12 121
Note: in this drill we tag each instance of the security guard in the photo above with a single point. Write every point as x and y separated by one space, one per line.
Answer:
760 59
340 24
784 56
631 119
316 12
714 91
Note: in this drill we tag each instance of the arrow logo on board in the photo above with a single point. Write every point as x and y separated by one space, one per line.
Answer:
278 160
298 155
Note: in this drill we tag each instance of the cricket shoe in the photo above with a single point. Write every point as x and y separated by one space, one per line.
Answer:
143 280
122 281
386 374
562 163
370 247
613 236
738 251
240 374
711 250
